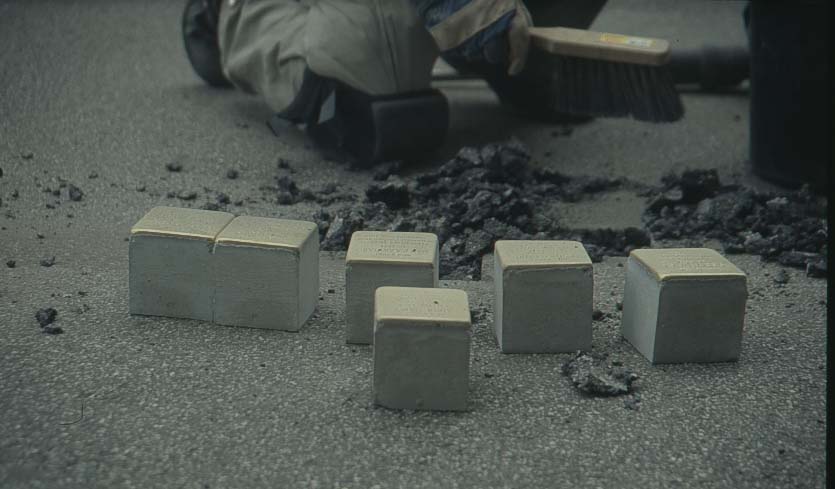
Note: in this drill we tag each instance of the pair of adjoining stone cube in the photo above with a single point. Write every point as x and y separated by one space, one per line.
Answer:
212 266
680 305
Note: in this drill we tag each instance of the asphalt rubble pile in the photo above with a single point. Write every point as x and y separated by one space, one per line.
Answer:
494 192
479 196
45 317
596 376
787 227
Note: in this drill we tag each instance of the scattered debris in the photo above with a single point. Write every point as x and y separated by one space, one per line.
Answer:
789 227
11 263
174 167
489 193
329 188
816 269
285 198
797 259
287 184
386 170
335 229
75 194
479 196
186 195
28 155
598 315
232 174
782 277
592 375
46 316
221 201
48 262
52 329
287 192
93 176
633 402
393 193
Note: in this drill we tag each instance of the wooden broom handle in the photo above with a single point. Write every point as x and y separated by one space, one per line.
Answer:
600 45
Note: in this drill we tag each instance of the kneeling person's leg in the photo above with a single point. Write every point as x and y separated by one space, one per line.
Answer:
358 69
262 47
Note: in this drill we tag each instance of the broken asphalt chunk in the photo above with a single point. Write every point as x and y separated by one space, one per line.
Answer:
594 376
46 316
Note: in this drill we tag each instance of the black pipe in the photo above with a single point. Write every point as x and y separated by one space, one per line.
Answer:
710 67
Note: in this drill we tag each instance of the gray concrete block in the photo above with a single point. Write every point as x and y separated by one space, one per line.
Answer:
266 273
170 259
377 259
684 305
421 348
543 296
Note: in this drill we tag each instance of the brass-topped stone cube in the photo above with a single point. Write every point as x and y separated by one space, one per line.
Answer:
543 296
171 262
421 348
376 259
266 273
684 305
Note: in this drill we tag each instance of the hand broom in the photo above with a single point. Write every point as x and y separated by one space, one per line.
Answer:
606 75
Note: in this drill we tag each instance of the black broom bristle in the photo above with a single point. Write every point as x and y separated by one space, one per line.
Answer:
597 88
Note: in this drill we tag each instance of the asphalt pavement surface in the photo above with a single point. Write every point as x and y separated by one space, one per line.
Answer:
99 95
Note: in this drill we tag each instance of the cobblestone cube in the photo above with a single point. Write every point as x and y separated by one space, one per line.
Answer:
421 348
376 259
684 305
266 273
543 296
171 262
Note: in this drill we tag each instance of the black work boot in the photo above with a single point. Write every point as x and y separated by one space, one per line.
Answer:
200 19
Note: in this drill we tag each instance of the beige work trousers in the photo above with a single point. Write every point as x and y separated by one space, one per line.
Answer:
379 47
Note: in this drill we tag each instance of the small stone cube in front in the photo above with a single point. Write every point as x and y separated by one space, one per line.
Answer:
543 296
171 262
421 348
266 273
684 305
378 259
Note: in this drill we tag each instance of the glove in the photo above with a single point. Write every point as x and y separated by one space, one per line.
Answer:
518 39
495 31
